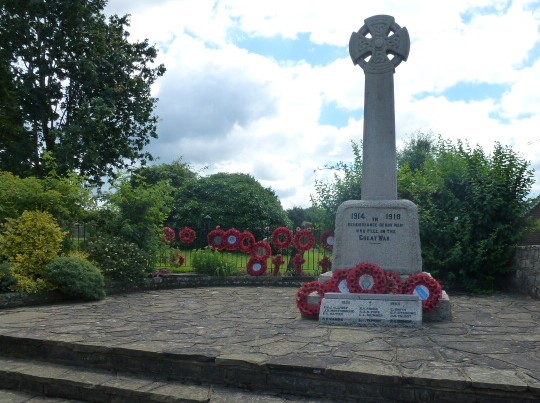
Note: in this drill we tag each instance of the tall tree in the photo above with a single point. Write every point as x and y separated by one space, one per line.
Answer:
177 172
231 200
347 185
82 89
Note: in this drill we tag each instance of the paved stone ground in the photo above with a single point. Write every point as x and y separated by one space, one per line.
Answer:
493 339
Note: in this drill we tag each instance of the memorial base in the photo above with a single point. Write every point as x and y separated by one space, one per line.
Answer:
390 310
442 314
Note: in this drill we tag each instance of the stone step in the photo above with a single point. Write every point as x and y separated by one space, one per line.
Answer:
92 385
17 396
313 378
23 380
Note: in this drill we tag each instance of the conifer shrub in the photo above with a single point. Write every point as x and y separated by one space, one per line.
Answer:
29 243
76 277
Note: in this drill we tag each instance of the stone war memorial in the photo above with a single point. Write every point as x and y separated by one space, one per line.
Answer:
377 277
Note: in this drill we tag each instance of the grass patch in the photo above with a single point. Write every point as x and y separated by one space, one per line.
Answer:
240 261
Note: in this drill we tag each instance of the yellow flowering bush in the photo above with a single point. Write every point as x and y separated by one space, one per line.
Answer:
29 243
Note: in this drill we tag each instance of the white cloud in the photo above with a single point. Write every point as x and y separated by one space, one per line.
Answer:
238 111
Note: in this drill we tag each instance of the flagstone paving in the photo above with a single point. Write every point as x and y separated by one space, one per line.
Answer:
492 340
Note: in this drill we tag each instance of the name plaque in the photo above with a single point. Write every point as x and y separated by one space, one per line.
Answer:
390 310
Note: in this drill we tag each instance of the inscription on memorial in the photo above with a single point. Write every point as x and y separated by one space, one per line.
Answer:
376 226
384 232
371 310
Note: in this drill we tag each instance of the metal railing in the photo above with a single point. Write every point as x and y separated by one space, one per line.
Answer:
179 255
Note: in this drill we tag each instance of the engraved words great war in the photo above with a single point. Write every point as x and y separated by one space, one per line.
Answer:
375 226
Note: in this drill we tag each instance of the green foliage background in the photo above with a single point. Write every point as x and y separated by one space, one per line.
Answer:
472 206
230 199
73 86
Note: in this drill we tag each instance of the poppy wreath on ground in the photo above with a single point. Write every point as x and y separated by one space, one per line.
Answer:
161 272
302 298
247 240
427 288
298 262
232 239
168 235
394 283
367 278
338 282
277 261
325 264
327 239
216 239
187 235
304 240
261 250
257 267
282 237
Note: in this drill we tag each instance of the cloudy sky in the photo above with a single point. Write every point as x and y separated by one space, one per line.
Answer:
268 87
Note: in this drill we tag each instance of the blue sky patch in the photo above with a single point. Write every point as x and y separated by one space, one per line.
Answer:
497 116
333 115
532 56
467 91
468 15
284 49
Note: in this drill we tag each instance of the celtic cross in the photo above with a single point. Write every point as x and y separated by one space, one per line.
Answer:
370 48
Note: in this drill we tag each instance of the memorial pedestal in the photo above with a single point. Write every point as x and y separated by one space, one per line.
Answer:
385 232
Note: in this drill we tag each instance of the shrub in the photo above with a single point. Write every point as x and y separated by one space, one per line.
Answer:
30 242
207 261
6 277
76 277
120 260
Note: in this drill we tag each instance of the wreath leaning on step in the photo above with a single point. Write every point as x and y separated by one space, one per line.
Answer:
310 311
425 286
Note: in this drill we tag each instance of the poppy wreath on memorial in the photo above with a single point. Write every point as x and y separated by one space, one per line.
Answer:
261 250
304 239
232 239
187 235
325 264
394 283
247 240
277 261
374 276
337 277
327 239
257 267
302 298
282 237
216 239
168 235
425 286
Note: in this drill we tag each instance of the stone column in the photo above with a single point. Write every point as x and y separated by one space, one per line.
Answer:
379 228
370 48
